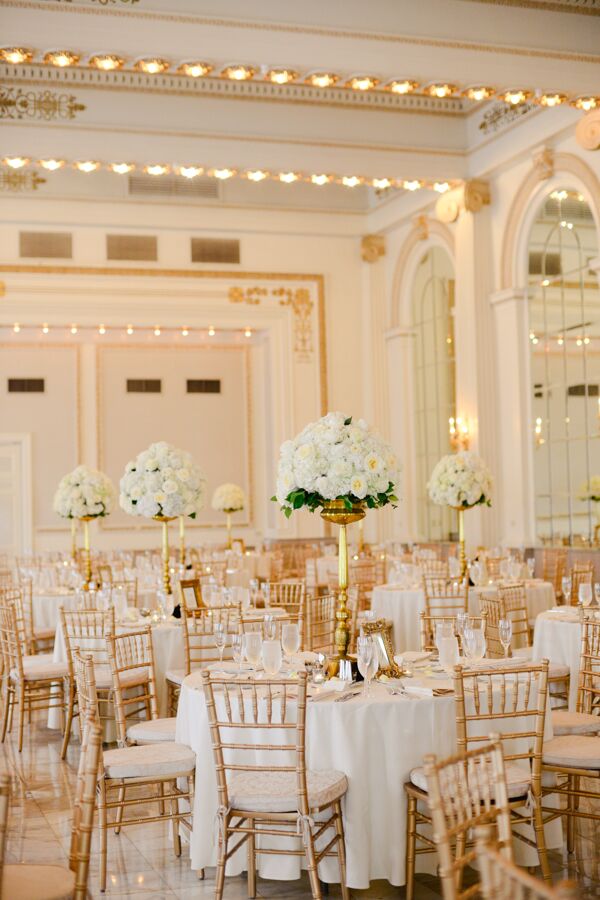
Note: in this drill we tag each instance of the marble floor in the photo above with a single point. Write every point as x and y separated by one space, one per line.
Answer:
140 859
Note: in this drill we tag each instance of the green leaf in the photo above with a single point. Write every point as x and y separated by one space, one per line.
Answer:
274 498
287 512
298 501
348 421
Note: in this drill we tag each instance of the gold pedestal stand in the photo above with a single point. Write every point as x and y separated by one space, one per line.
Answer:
229 538
165 550
462 556
87 559
181 541
73 538
335 512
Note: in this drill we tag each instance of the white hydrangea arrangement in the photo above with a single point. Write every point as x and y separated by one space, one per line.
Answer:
162 481
228 498
590 490
84 492
461 480
336 458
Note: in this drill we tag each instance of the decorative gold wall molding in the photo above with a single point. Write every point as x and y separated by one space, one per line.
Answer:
252 295
16 103
16 181
299 302
421 226
471 196
587 131
372 247
543 163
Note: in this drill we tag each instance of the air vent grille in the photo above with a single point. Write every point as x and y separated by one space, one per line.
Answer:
215 250
204 386
173 186
144 386
131 246
26 386
45 245
582 390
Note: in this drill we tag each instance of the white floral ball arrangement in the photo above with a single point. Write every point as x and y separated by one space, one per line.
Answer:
336 459
84 492
461 480
228 498
162 481
590 490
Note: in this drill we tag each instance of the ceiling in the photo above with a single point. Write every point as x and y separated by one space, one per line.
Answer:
82 113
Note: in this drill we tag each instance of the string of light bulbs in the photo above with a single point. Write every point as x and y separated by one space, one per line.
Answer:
284 75
129 330
88 166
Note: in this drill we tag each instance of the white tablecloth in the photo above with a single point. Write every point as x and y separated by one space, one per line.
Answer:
46 607
557 637
375 743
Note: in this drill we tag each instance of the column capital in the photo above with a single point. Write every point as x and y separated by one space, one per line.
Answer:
372 247
587 130
507 294
543 163
470 196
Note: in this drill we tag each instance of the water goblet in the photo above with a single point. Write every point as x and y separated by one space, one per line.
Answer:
566 584
271 656
448 653
290 638
505 634
443 630
269 628
220 639
585 594
237 649
367 662
531 566
252 647
462 620
474 644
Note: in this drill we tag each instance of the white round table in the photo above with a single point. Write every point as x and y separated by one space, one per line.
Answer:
557 637
375 742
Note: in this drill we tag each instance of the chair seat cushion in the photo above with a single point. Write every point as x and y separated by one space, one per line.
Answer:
150 761
151 731
565 722
575 750
523 652
176 676
38 658
40 671
557 670
104 681
276 791
518 781
44 634
32 882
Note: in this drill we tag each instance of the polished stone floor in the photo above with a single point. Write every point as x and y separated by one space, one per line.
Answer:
140 859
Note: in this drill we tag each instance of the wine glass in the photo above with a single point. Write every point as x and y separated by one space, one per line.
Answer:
531 566
474 644
462 620
367 662
566 584
505 634
252 647
290 638
448 653
237 649
585 594
220 639
271 656
443 630
269 627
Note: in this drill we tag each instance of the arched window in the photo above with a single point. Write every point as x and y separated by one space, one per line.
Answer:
564 336
434 382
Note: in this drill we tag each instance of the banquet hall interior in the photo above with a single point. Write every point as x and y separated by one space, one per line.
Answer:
299 449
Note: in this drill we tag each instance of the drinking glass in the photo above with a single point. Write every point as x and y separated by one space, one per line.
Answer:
443 630
462 620
290 638
505 634
474 644
566 588
252 647
220 639
237 650
448 653
269 628
585 594
531 566
271 656
367 662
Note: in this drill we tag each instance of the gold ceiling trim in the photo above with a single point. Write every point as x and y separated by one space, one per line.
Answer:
344 34
131 271
563 6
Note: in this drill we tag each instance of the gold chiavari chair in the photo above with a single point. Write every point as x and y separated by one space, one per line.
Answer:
39 640
321 623
275 796
435 567
130 586
514 600
461 792
136 712
47 882
143 771
105 574
198 643
443 596
553 569
501 879
428 625
581 573
28 682
576 753
287 594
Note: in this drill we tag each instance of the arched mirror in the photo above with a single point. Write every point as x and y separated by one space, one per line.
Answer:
434 382
564 338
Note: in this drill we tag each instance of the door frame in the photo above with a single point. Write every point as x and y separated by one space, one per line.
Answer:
23 441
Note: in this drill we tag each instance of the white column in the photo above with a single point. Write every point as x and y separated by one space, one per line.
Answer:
514 488
399 351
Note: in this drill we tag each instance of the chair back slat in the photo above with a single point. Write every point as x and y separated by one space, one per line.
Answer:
588 689
444 596
428 626
514 600
321 623
131 656
198 634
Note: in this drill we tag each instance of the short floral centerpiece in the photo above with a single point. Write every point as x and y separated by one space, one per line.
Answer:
163 483
84 494
342 467
461 480
228 498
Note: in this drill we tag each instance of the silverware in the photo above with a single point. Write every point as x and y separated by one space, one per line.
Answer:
348 695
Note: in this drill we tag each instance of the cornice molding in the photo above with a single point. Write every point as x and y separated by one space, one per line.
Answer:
581 7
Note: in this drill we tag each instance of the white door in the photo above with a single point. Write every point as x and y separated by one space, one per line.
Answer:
15 494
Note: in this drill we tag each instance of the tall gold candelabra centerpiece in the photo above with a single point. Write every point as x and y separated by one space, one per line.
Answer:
87 557
165 551
228 526
336 512
228 498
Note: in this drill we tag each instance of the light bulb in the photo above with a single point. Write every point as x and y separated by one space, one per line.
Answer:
211 331
288 177
16 328
247 333
101 330
129 329
45 329
51 165
121 168
73 329
184 332
16 162
157 332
